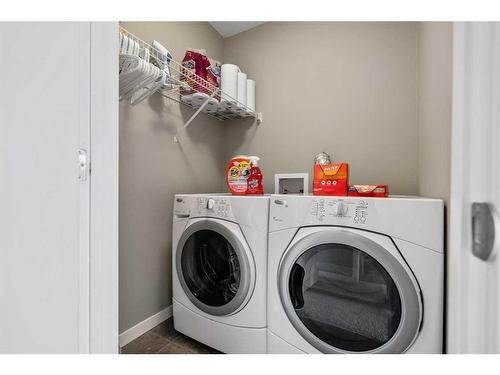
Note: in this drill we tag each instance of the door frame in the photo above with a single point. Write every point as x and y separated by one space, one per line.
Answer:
473 300
104 151
84 187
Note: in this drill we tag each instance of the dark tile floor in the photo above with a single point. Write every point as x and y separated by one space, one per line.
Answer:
164 339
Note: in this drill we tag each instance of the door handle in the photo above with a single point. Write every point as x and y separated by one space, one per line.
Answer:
83 165
484 225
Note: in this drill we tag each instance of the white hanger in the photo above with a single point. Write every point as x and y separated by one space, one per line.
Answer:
125 41
138 78
131 68
147 91
144 76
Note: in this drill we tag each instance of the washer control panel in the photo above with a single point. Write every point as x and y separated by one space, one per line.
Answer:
181 207
214 206
347 211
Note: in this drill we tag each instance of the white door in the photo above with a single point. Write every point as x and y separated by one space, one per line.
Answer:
44 203
474 279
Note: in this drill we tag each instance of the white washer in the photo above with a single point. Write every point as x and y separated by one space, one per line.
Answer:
220 270
355 275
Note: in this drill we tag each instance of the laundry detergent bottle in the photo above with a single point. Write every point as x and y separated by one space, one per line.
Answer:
255 180
237 174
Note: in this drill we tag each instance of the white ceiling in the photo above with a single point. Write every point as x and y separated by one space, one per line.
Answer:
227 29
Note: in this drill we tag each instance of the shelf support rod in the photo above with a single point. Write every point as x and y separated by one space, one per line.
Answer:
176 140
198 110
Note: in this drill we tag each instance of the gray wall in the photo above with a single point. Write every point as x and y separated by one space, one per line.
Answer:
349 89
153 169
434 110
435 95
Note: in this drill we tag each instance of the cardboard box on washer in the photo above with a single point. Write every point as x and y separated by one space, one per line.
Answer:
331 179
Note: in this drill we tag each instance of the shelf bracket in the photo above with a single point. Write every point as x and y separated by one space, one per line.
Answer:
176 140
198 110
259 118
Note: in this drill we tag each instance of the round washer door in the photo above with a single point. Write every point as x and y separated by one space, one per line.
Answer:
345 293
215 267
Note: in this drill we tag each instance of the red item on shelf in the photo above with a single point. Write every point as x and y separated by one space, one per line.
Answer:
380 191
331 179
195 65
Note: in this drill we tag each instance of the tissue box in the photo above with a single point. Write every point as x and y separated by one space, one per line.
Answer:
380 191
331 179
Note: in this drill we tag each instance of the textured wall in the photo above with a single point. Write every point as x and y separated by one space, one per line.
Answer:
349 89
434 109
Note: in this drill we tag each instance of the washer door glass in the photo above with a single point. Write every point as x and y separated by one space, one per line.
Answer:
210 267
344 297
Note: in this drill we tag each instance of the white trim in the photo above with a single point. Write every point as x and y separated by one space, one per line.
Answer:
473 305
104 187
144 326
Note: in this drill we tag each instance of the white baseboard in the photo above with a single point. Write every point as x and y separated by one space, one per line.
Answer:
144 326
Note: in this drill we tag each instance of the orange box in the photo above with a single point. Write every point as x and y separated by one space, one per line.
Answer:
331 179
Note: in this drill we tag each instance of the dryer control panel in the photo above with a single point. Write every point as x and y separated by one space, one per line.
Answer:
414 219
345 211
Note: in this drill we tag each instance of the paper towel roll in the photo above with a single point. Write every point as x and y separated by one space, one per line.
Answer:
251 94
242 89
229 82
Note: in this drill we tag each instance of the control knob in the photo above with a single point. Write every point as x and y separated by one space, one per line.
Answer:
210 204
340 209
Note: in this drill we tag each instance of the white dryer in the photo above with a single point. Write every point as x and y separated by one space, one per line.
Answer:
219 270
355 275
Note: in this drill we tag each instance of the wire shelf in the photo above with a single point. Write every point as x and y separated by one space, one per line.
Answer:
191 90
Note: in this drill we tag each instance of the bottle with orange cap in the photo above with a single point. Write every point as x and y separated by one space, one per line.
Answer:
237 174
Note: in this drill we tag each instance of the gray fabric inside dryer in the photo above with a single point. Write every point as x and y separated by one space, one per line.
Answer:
326 307
345 297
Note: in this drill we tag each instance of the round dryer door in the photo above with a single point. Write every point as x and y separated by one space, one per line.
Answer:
344 292
214 266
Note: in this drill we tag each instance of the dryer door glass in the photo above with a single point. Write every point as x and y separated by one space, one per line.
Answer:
344 297
210 268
